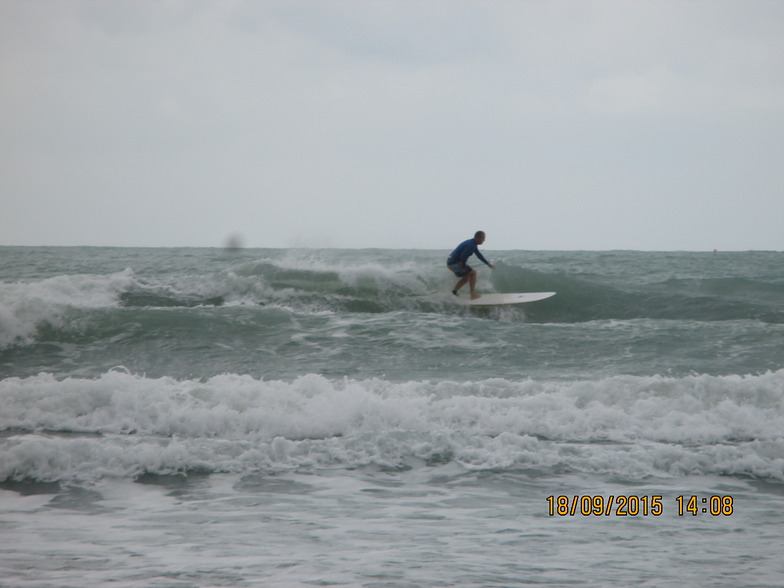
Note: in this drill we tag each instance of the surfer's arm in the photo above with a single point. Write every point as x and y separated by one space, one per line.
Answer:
482 257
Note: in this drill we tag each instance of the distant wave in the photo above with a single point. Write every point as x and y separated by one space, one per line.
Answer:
306 284
24 306
126 425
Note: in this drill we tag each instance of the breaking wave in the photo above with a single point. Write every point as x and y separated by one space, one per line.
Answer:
125 425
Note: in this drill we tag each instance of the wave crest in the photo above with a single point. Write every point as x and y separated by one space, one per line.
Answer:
125 425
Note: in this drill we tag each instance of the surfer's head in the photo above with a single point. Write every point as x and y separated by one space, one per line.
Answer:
479 237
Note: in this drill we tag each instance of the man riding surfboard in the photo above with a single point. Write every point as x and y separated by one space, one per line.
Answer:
456 262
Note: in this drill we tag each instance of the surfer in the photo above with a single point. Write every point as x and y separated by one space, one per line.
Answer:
456 262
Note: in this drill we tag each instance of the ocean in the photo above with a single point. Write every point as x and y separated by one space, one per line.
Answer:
303 417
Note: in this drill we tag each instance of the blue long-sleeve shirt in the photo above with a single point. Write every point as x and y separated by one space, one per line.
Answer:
465 250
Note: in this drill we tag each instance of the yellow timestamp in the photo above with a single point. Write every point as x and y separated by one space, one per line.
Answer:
633 505
713 505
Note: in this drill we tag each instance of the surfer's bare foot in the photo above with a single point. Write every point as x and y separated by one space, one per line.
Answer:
475 296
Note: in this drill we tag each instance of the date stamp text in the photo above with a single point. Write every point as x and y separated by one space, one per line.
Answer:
633 505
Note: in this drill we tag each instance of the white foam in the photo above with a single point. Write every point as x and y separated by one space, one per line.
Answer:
395 275
25 305
629 426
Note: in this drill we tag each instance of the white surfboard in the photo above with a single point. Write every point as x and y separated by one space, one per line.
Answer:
494 299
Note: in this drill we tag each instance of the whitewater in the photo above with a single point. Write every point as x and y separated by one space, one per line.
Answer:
297 417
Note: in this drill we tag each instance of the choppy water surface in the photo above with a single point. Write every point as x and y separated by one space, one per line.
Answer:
299 417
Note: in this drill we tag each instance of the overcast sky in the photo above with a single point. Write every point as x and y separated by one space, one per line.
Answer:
574 124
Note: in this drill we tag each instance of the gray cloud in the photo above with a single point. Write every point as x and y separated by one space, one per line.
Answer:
552 125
